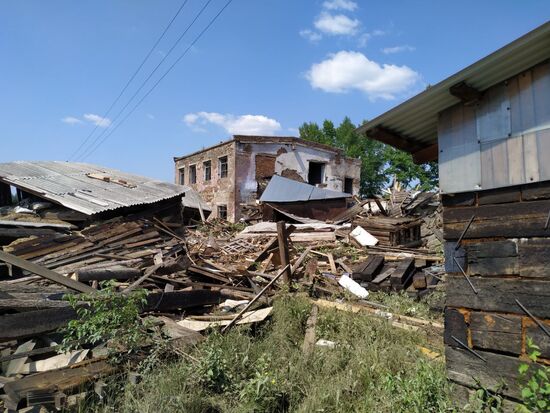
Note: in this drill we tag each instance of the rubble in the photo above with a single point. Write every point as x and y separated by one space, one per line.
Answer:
199 274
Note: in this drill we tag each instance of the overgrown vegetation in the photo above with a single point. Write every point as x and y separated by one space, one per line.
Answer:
106 317
373 368
534 376
379 163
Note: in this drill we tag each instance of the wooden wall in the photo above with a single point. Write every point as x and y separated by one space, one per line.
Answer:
505 254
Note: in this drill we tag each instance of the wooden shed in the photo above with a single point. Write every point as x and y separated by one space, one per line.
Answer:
489 128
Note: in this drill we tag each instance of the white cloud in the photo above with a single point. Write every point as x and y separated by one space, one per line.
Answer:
71 120
348 70
337 25
235 125
150 116
398 49
340 5
98 120
311 35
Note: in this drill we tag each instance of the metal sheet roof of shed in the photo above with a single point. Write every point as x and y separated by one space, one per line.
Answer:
281 189
416 119
67 184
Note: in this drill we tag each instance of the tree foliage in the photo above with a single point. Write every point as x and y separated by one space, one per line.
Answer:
380 163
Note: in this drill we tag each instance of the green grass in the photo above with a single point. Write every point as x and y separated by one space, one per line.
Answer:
374 368
401 303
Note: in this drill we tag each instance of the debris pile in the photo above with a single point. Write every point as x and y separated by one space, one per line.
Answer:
199 275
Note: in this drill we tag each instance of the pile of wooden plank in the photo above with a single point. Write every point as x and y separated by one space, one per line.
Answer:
416 276
391 231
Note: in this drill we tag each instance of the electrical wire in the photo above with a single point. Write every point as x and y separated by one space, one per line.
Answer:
159 80
131 78
97 138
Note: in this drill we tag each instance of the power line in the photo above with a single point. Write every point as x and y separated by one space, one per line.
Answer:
97 138
131 78
160 79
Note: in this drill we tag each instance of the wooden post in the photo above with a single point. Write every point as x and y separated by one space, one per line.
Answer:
282 239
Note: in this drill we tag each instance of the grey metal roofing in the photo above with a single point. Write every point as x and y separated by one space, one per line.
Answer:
416 118
67 184
281 189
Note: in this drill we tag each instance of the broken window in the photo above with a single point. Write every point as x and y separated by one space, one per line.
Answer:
181 176
192 174
207 166
316 173
348 185
222 211
222 166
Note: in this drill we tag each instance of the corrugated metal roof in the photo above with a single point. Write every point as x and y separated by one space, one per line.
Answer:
68 184
281 189
416 119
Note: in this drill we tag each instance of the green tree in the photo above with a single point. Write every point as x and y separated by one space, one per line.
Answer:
380 163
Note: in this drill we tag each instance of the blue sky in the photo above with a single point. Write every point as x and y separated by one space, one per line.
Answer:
264 66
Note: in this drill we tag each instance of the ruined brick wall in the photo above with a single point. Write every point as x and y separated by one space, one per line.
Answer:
501 264
259 161
217 191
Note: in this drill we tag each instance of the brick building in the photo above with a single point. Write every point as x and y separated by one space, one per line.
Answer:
235 172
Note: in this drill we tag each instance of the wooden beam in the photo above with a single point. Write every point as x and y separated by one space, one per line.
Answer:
394 139
428 154
282 238
46 273
469 95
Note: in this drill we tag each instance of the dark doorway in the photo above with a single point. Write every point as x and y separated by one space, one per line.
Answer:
316 173
348 185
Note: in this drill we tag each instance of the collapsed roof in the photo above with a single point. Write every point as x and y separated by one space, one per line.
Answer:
91 189
282 189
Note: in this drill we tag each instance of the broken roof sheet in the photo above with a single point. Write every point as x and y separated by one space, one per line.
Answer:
282 189
86 188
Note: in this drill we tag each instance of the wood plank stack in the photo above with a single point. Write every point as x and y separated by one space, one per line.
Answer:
392 231
505 257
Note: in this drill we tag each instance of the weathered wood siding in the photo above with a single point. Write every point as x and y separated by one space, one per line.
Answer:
505 254
503 140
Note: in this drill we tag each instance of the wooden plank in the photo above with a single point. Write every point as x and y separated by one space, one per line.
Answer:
538 336
499 294
499 196
369 269
455 325
282 240
22 304
15 365
500 332
534 257
56 380
45 273
463 367
333 268
493 258
456 200
535 191
113 272
309 336
523 219
402 272
181 300
32 323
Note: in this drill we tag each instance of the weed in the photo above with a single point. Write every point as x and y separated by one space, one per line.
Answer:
106 316
535 393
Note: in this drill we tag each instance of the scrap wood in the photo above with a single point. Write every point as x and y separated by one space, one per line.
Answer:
247 318
401 319
309 337
300 260
15 365
46 273
279 274
56 380
55 362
